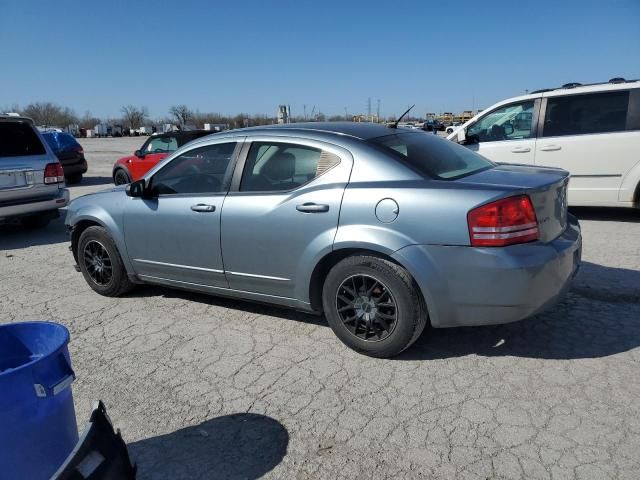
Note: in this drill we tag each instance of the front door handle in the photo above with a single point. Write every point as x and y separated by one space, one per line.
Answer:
312 208
521 150
201 207
550 148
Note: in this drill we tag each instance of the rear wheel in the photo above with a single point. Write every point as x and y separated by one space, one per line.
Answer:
100 263
121 177
373 306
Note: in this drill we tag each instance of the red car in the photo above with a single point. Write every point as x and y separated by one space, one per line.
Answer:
157 147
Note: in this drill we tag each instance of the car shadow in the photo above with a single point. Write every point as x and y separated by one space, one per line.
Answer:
88 181
607 214
238 446
231 303
599 317
15 236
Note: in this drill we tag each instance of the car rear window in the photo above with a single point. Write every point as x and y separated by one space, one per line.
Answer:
18 139
60 141
433 156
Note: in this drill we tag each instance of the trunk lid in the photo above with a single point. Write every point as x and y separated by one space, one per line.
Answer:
546 187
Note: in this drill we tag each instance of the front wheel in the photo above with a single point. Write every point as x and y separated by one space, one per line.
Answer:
100 263
121 177
373 306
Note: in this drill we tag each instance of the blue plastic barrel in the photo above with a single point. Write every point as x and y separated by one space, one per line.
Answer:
37 419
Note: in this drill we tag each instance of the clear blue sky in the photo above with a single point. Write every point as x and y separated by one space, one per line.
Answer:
250 56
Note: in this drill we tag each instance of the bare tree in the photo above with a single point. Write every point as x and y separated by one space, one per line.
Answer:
134 117
181 113
88 120
50 114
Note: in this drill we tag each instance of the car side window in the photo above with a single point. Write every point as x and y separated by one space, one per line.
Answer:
162 145
201 170
274 167
590 113
511 122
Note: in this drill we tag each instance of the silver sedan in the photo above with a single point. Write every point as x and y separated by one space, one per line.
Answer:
383 230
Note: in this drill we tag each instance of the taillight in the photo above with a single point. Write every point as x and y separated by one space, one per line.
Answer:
78 149
53 173
503 222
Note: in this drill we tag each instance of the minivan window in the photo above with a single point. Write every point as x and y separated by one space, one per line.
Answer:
432 156
590 113
17 139
511 122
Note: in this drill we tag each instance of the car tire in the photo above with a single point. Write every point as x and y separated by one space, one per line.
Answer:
36 221
370 288
121 177
74 179
101 264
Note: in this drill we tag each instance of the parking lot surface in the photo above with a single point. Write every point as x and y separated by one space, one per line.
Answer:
204 387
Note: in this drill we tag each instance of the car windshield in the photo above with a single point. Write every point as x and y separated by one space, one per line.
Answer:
432 156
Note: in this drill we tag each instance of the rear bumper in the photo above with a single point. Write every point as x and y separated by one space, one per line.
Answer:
75 168
466 286
30 206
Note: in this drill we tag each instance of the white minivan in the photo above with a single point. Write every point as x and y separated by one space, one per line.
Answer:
593 131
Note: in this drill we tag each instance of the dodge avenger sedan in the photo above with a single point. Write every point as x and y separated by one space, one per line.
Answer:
381 229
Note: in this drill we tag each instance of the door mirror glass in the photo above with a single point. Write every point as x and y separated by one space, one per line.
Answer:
508 128
136 189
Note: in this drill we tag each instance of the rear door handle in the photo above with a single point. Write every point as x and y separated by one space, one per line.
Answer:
201 207
521 150
550 148
312 208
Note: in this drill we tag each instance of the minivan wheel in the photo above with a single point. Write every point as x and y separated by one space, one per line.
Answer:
121 177
100 263
373 306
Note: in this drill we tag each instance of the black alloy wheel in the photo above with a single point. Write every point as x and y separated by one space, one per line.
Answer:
98 262
367 307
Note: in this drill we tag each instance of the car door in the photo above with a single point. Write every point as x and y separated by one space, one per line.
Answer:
282 213
155 149
173 234
586 134
507 133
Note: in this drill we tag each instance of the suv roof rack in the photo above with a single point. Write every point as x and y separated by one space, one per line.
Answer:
614 80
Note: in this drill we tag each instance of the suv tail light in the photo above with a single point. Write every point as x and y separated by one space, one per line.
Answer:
504 222
53 173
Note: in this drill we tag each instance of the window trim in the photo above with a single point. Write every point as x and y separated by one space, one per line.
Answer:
535 119
227 176
628 119
244 155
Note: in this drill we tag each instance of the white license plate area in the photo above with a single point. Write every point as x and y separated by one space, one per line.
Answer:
12 180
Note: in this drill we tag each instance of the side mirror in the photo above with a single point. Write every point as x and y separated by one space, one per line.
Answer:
508 128
139 153
461 136
136 189
472 139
